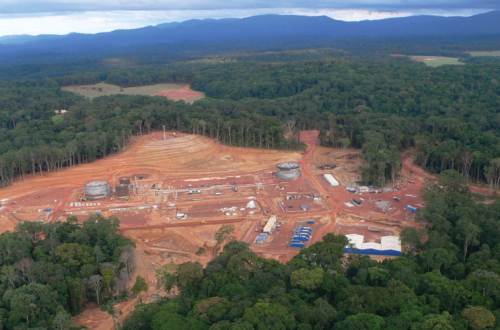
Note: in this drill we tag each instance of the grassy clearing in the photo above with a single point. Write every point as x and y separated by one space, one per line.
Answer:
102 89
442 61
489 53
433 61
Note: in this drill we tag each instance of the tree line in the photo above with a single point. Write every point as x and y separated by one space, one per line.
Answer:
36 139
447 114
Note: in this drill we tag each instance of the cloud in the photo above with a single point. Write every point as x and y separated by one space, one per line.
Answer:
92 16
66 6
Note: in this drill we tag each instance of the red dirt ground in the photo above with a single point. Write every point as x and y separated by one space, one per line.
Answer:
179 94
150 217
171 91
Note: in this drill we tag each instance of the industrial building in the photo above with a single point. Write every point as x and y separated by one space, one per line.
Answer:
96 190
388 246
270 225
288 170
331 180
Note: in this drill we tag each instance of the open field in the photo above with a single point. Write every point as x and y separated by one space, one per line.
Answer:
433 61
485 53
442 61
185 187
171 91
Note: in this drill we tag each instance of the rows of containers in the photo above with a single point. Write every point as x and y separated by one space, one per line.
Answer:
301 235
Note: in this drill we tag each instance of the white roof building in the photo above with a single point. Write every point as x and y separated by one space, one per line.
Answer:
271 223
387 243
356 240
390 243
371 245
331 180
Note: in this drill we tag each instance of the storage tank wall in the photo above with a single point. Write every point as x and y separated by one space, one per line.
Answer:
288 171
96 190
122 191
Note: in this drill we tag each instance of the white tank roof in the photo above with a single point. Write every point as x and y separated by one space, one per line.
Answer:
96 183
288 165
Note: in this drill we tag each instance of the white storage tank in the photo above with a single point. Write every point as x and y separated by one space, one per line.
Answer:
288 170
97 189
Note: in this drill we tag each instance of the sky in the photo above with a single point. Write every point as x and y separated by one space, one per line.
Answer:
36 17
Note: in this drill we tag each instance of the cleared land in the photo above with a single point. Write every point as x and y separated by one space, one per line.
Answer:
485 53
171 91
433 61
213 185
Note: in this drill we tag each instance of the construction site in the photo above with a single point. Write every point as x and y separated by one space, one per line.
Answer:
173 191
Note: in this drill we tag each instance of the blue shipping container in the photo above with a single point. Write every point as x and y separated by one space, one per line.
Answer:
310 222
299 245
411 208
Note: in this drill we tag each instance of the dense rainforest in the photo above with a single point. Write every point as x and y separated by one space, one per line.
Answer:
448 115
447 279
107 58
50 271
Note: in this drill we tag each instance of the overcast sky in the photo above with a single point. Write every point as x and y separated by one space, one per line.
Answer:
92 16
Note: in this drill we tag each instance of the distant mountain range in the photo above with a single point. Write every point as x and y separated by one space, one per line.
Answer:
28 56
259 27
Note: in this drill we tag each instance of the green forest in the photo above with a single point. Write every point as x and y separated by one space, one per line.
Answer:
447 279
447 115
49 271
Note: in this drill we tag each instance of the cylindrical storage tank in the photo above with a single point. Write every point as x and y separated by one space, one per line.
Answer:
125 180
288 170
122 191
97 189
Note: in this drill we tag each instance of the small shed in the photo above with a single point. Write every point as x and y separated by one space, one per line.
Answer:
363 189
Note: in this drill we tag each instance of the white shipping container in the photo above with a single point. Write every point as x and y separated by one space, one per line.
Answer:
331 180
